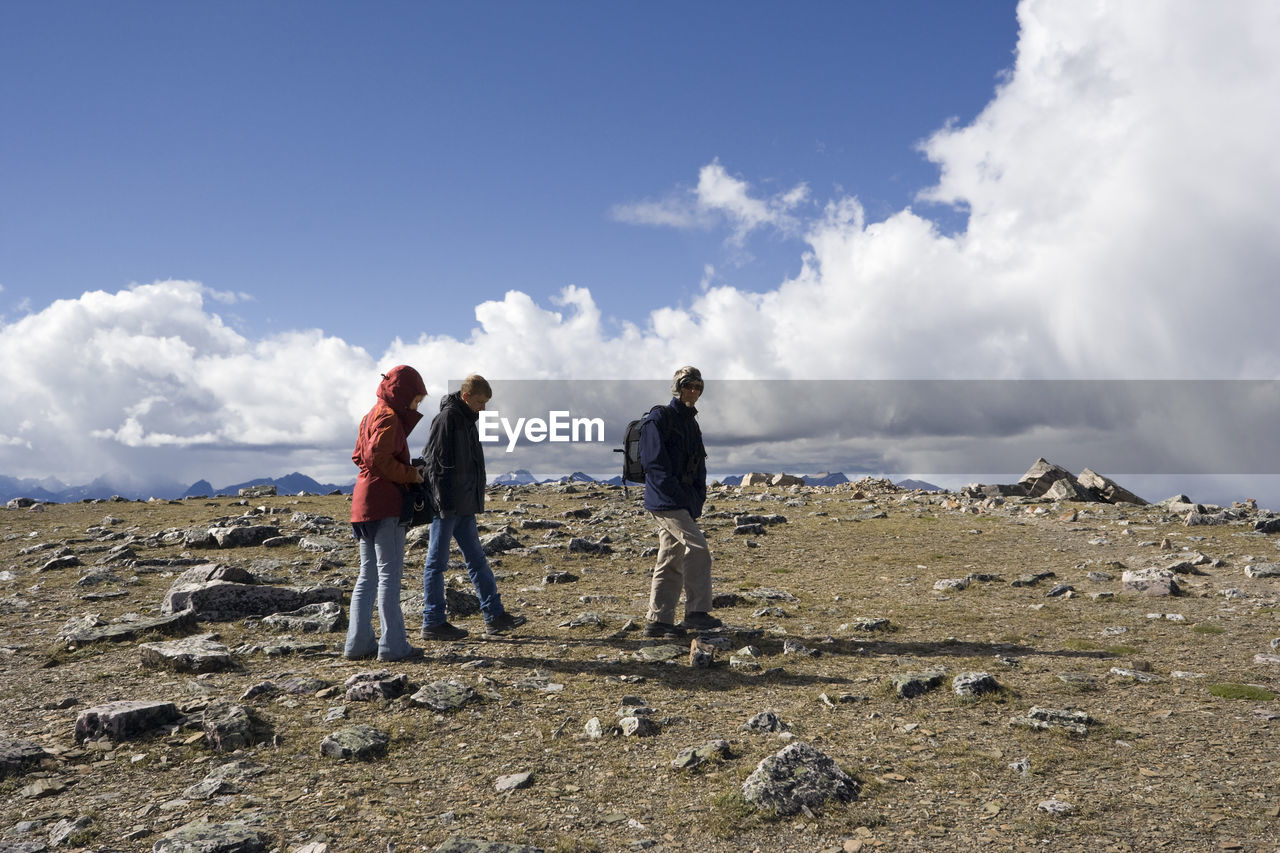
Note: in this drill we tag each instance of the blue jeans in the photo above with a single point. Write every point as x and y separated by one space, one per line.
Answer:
462 528
381 567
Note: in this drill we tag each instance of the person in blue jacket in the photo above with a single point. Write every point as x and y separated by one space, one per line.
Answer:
675 488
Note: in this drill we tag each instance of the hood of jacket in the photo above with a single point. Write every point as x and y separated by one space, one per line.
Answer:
399 386
455 402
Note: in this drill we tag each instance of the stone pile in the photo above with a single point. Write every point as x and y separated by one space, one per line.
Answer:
1044 479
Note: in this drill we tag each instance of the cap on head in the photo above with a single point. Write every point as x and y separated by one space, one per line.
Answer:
685 375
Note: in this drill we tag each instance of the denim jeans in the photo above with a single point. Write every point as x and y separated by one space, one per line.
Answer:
444 529
381 567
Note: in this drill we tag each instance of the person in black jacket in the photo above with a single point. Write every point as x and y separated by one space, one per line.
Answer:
455 473
675 488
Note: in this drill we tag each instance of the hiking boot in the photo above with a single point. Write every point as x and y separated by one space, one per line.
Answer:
662 629
443 631
702 622
505 622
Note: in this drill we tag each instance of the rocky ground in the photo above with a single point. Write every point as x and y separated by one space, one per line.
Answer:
826 716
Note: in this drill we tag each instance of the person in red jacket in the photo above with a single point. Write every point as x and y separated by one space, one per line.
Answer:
382 454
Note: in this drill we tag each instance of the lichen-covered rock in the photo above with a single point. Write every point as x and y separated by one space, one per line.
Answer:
200 653
578 545
798 778
702 655
360 742
973 683
214 595
246 536
322 618
444 696
19 756
637 726
371 686
200 836
124 720
908 685
262 490
457 844
82 633
228 727
1152 581
226 779
715 750
498 543
765 721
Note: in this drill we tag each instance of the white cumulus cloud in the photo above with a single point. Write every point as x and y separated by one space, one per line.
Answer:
718 198
1123 204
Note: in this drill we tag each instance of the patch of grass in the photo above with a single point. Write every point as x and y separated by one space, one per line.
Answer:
1081 645
58 655
83 837
1241 691
1208 629
730 814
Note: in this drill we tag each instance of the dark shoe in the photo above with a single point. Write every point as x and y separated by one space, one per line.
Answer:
412 654
505 622
662 629
702 622
443 631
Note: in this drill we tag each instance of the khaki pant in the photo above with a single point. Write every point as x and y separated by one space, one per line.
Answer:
684 562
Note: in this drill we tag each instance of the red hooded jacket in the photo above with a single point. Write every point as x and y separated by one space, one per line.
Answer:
382 447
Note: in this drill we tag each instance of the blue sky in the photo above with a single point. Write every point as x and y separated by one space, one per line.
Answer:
220 222
321 156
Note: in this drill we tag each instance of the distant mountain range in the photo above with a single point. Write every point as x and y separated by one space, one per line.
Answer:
51 490
521 477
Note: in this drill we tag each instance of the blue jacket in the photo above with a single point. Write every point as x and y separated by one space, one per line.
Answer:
674 459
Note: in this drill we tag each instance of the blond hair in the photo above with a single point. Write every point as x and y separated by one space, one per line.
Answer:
475 384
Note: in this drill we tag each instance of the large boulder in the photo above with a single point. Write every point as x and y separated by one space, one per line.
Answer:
321 618
82 633
375 685
201 589
124 720
798 778
19 756
1153 581
1041 476
243 536
360 742
200 653
200 836
228 727
262 491
1108 489
1069 490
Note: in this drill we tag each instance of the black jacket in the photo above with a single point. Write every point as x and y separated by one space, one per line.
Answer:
455 461
674 459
